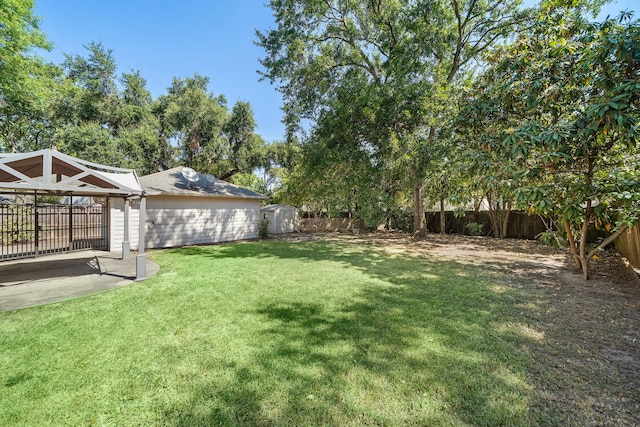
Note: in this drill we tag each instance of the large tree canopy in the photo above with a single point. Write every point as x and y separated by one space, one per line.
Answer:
19 36
376 76
193 117
210 138
104 117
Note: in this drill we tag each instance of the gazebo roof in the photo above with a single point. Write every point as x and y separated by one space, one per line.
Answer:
49 171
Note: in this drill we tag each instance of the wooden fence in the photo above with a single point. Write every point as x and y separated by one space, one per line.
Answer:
521 225
331 224
628 244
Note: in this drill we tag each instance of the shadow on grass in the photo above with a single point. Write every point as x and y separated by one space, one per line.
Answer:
429 344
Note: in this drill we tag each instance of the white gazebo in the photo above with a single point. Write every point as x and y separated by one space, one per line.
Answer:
49 172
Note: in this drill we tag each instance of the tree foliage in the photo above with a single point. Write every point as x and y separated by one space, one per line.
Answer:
104 117
566 118
193 118
27 83
374 77
245 147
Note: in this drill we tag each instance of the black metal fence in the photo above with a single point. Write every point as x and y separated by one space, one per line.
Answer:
30 230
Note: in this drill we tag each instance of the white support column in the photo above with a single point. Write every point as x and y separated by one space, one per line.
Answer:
141 258
126 244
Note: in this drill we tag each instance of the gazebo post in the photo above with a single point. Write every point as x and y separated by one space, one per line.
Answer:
71 222
126 245
141 258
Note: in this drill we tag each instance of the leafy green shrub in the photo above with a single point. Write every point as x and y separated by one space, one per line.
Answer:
402 220
549 238
263 227
475 229
17 225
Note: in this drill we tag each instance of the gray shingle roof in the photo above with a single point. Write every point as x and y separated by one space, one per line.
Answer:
270 208
171 182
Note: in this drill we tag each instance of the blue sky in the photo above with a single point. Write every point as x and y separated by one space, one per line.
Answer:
165 39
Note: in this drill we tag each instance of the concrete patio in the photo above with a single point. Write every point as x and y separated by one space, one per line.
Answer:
36 281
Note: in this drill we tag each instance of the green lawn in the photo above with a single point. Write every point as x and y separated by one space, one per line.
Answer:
275 333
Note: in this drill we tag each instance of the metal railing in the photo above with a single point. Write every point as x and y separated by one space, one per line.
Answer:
31 230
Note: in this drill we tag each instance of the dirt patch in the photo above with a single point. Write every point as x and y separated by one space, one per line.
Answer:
587 367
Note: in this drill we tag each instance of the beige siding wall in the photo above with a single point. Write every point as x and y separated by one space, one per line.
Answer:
116 228
178 221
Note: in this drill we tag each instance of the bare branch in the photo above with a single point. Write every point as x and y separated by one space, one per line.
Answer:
608 240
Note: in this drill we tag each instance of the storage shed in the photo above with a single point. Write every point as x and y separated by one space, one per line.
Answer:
189 208
282 218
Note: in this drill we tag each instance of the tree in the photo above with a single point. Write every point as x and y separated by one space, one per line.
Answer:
482 125
26 81
387 62
194 118
278 163
95 80
136 127
90 141
574 88
210 138
245 145
104 121
442 181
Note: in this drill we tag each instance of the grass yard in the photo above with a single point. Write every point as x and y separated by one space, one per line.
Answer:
279 333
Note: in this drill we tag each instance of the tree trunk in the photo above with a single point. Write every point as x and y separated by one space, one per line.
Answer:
419 222
584 259
580 255
443 218
505 221
572 244
586 273
419 226
493 217
586 219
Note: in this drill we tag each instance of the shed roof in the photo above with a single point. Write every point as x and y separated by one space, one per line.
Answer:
171 182
275 207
